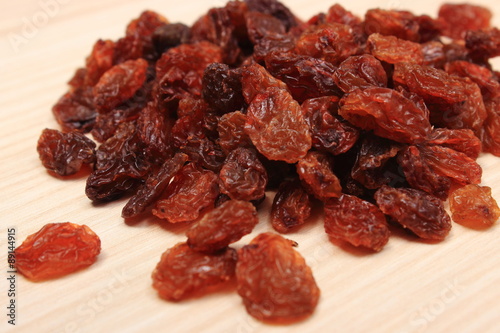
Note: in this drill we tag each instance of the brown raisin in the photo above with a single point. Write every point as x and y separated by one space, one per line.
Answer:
56 250
222 226
274 280
473 206
356 221
316 172
460 18
183 272
422 213
291 206
65 153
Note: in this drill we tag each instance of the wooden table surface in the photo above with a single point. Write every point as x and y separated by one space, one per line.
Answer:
411 286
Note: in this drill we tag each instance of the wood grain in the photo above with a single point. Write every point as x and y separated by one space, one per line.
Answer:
411 286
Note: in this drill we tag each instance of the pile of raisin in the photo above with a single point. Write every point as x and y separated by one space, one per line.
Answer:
375 119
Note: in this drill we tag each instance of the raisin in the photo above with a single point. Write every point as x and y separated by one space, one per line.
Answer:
191 190
400 24
483 44
276 9
394 50
222 88
56 250
306 77
277 127
291 206
370 168
154 186
120 165
461 140
256 79
489 133
119 84
99 61
231 129
243 177
180 70
260 26
357 222
65 153
153 129
183 272
170 35
274 280
361 71
222 226
420 174
388 113
316 172
482 76
332 42
460 18
473 206
329 132
420 212
454 102
75 110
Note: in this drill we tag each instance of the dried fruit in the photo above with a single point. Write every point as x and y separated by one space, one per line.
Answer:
422 213
274 280
316 172
460 18
65 153
277 127
291 206
56 250
473 206
356 221
243 177
191 190
222 226
183 272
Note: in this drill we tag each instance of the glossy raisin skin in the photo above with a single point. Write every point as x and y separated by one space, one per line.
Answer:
56 250
191 190
356 221
243 177
361 71
387 112
222 226
231 130
473 206
183 272
65 153
154 186
274 280
420 212
277 127
316 173
460 18
291 206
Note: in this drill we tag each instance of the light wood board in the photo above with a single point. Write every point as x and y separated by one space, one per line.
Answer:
411 286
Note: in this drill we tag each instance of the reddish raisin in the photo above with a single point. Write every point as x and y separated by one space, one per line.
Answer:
276 126
460 18
422 213
316 172
191 190
65 153
291 206
222 226
360 72
183 272
356 221
274 280
56 250
394 50
401 24
473 206
231 129
243 177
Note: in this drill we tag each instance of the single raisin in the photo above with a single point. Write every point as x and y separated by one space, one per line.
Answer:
291 206
56 250
222 226
183 272
316 172
473 206
274 280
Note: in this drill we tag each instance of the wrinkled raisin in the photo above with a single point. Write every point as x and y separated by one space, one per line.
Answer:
222 226
274 280
291 206
56 250
183 272
316 172
473 206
